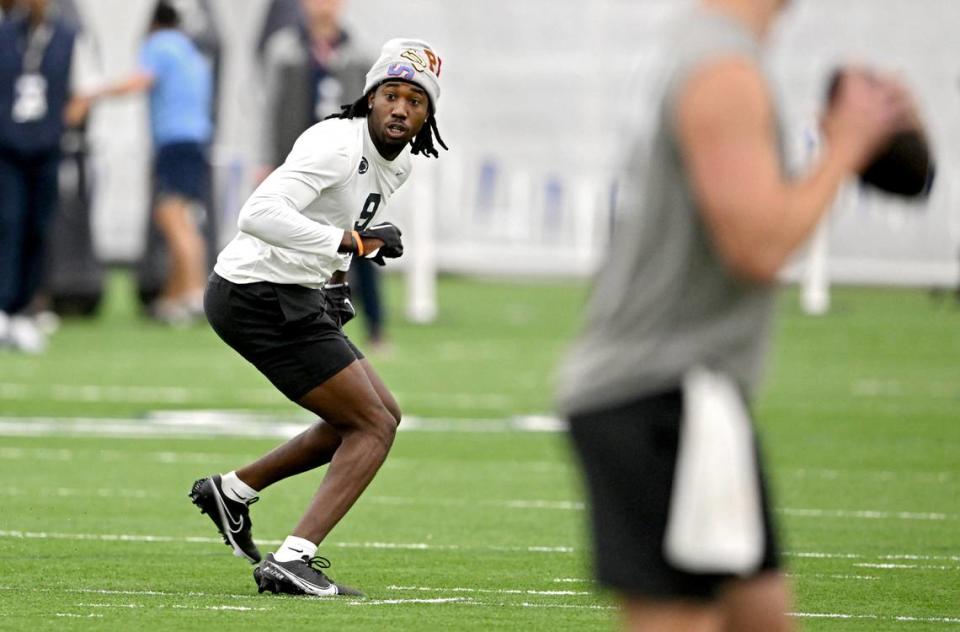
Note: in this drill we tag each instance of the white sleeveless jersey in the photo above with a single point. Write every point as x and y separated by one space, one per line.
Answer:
334 180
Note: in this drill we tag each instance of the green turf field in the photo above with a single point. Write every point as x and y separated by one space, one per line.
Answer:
471 525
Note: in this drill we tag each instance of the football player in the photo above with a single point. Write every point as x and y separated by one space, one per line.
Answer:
658 386
278 298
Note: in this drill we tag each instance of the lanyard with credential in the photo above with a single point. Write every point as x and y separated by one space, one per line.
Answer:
30 103
36 47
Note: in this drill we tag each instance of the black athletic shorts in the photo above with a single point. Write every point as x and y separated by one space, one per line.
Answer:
182 169
628 454
283 330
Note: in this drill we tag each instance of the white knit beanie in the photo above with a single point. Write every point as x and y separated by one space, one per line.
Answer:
409 60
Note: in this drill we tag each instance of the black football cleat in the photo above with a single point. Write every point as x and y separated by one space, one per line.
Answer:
299 577
231 517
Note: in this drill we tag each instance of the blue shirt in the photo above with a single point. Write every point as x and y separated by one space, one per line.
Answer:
182 88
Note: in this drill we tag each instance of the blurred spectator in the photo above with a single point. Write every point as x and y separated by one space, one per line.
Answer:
280 14
197 21
312 66
659 386
180 81
37 78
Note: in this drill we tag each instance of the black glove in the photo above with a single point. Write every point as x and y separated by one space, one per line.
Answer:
390 236
338 299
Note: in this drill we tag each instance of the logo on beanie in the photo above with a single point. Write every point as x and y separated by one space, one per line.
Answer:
419 63
401 71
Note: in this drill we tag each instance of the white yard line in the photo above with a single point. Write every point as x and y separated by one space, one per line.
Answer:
202 424
68 492
834 576
403 602
569 606
857 556
467 601
15 426
562 505
252 427
495 591
874 617
225 458
864 514
925 567
423 546
137 593
533 504
176 606
152 394
879 476
148 394
405 546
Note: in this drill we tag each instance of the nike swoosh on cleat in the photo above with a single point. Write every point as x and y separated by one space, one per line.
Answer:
234 524
304 585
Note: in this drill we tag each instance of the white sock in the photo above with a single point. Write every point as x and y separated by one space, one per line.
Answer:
294 548
235 489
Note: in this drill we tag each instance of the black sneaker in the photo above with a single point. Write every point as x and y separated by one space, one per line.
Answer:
231 517
299 577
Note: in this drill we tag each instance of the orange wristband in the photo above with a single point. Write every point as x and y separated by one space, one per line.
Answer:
356 238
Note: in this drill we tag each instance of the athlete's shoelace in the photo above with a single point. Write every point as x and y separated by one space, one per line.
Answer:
319 564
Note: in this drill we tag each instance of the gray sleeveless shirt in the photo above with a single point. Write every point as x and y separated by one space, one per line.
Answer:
664 301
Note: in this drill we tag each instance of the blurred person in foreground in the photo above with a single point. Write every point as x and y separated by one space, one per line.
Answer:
180 83
276 297
38 78
678 323
312 64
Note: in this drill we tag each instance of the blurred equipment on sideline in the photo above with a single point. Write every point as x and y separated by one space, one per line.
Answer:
74 280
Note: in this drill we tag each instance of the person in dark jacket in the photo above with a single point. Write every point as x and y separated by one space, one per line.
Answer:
37 49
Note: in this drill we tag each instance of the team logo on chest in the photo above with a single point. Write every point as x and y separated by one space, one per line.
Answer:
364 165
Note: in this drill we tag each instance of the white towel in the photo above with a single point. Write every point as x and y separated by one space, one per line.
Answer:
716 521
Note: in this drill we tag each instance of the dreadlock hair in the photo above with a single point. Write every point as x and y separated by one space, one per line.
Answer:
422 143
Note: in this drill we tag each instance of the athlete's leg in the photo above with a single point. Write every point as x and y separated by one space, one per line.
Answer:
350 404
313 447
758 604
647 615
386 397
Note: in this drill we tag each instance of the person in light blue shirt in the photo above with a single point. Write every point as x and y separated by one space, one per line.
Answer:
180 84
181 88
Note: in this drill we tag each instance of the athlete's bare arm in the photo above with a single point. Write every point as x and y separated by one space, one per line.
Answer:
757 217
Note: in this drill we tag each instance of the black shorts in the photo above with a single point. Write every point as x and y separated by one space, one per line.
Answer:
629 455
283 330
182 169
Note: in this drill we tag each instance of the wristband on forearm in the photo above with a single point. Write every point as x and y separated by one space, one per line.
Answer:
359 243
